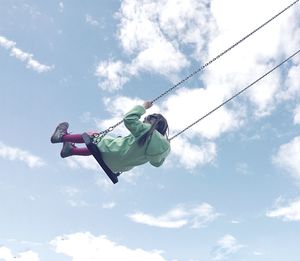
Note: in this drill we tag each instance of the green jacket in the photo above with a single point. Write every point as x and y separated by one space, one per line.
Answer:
123 153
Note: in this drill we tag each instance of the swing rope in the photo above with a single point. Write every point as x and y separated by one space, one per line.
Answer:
224 52
234 96
98 136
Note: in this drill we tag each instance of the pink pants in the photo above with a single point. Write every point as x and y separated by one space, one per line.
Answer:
76 138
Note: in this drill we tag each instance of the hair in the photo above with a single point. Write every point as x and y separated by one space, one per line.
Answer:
158 122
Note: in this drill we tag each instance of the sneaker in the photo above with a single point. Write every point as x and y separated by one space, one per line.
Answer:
66 150
59 132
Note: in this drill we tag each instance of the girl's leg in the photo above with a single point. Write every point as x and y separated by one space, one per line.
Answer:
74 138
70 149
80 151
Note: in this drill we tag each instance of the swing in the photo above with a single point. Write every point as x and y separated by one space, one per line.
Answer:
92 141
92 147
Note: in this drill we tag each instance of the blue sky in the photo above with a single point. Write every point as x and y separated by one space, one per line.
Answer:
230 188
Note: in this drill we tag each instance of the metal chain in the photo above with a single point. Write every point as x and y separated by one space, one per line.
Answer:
222 53
234 96
98 136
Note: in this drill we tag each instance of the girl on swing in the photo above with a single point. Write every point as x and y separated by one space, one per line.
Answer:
147 141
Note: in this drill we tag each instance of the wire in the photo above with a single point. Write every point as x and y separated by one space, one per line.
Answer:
224 52
99 136
234 96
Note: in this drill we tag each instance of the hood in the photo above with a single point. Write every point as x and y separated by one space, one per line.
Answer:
158 146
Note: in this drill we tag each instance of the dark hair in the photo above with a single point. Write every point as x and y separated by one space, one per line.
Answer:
158 122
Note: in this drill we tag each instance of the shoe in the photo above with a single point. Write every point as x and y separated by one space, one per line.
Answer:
66 150
59 132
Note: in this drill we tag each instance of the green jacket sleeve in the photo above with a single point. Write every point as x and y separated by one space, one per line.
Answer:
157 163
133 123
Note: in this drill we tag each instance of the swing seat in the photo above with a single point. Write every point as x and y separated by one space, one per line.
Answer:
97 155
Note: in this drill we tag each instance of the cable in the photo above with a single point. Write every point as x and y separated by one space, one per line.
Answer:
234 96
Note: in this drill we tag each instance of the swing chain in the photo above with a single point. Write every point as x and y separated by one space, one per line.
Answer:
224 52
97 137
235 95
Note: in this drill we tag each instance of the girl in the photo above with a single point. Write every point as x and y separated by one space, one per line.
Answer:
147 141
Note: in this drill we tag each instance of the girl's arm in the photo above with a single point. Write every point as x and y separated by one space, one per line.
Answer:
132 119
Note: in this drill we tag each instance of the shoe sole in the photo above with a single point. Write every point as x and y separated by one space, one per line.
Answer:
64 154
53 140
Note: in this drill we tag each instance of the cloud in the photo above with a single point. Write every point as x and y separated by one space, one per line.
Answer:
112 75
226 247
253 57
61 7
242 168
195 103
192 155
86 162
297 115
164 43
257 253
288 157
287 212
194 216
7 44
6 255
13 153
153 38
73 199
157 41
24 56
91 21
109 205
87 247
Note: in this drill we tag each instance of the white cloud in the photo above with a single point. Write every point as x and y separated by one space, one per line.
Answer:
288 157
4 42
242 168
13 153
38 67
109 205
24 56
112 75
7 255
297 115
195 103
192 155
70 191
73 195
194 216
157 39
91 20
61 7
287 212
87 247
153 36
77 203
292 83
86 162
256 55
226 247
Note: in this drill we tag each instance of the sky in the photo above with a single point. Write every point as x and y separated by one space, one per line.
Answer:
230 188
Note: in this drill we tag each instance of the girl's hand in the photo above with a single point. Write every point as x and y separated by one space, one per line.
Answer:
147 104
